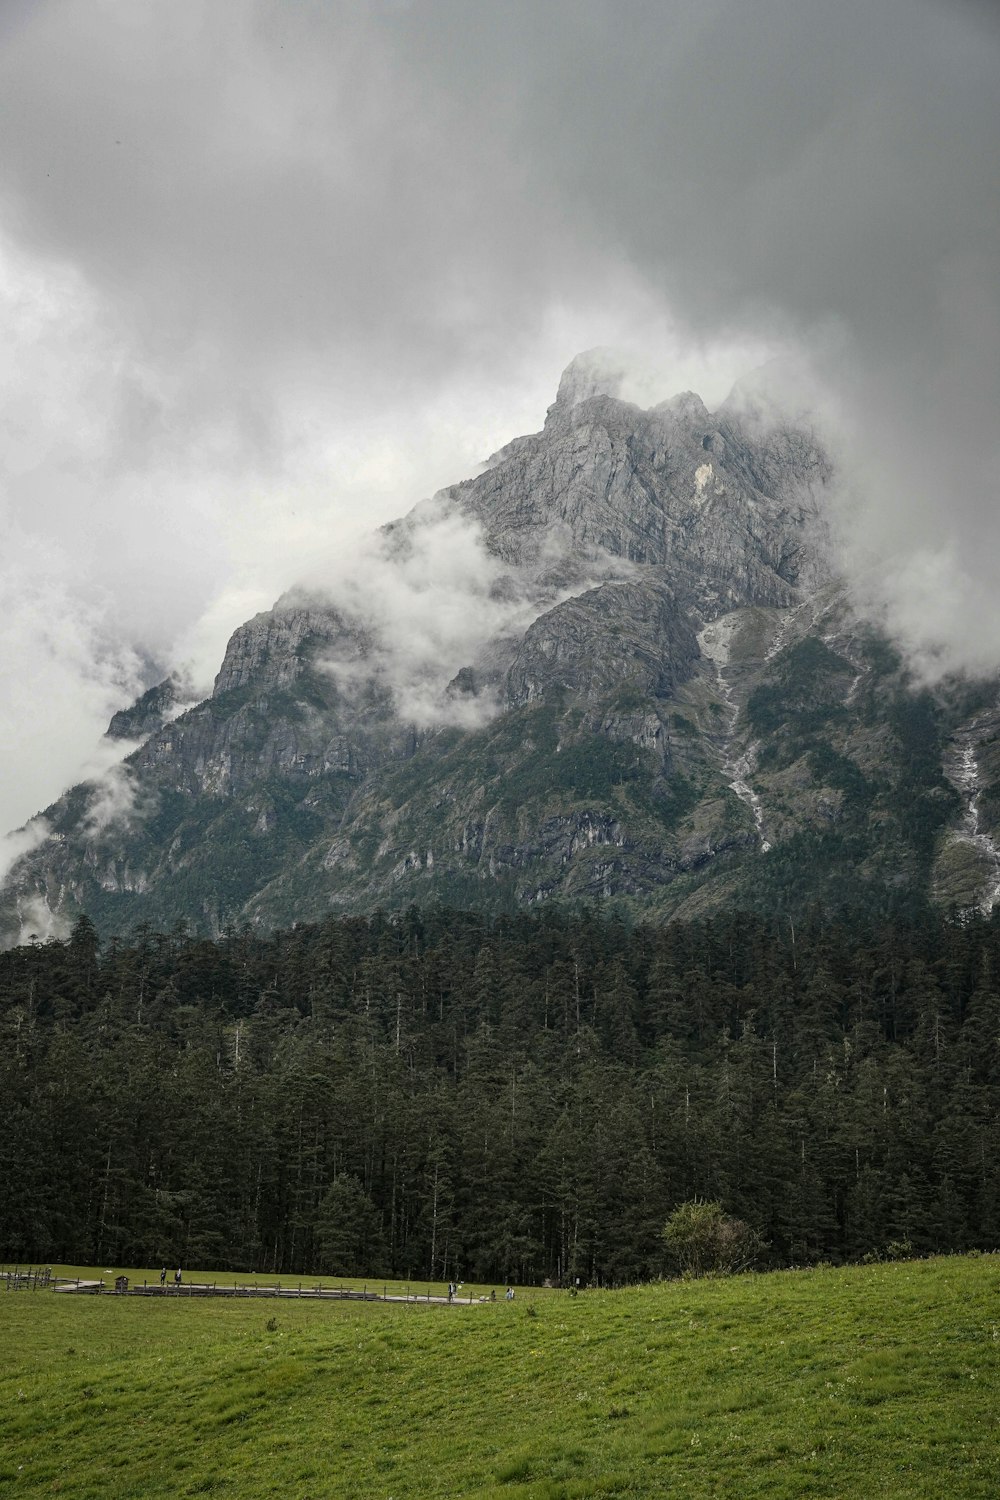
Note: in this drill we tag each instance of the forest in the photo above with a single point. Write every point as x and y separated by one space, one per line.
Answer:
444 1095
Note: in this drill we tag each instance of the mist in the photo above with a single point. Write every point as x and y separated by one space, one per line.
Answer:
270 274
428 599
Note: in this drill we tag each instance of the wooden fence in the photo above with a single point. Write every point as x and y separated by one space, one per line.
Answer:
26 1278
32 1278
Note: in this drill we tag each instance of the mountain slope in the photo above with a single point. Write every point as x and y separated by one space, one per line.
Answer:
637 681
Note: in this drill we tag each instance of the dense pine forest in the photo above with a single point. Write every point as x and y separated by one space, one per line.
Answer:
443 1095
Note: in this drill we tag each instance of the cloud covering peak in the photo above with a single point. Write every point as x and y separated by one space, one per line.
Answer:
270 272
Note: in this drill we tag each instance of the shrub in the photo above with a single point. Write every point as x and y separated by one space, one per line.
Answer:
703 1240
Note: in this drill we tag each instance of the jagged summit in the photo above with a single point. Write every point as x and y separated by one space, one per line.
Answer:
595 372
150 711
686 406
614 663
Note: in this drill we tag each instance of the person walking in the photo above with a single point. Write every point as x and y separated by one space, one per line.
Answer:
177 1277
163 1276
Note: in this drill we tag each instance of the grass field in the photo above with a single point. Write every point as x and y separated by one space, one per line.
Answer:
870 1381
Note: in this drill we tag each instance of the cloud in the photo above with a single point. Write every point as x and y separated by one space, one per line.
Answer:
62 675
22 841
115 800
38 920
428 598
270 273
947 619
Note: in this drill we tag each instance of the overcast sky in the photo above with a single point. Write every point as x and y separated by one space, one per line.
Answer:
270 272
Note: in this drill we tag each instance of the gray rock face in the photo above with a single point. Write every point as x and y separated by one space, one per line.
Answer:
148 713
592 744
275 648
733 520
622 635
275 710
271 650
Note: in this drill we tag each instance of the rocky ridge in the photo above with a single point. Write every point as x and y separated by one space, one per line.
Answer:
673 706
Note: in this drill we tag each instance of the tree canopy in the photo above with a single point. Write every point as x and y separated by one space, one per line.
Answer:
444 1095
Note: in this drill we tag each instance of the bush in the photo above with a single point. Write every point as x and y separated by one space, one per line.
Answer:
703 1240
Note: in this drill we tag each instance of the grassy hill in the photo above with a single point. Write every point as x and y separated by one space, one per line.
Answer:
831 1382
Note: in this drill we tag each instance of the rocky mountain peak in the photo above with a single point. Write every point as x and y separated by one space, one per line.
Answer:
156 706
611 663
732 511
595 372
686 407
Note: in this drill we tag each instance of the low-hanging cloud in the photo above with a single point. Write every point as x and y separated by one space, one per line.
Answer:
115 801
39 921
429 598
63 673
13 846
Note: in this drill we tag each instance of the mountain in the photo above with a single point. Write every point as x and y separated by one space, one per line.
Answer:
616 663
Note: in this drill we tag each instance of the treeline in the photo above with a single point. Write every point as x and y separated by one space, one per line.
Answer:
444 1095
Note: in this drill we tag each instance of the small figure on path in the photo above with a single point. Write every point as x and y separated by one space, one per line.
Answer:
493 1295
510 1294
163 1276
177 1277
451 1291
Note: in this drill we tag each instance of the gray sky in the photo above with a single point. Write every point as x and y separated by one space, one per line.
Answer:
270 272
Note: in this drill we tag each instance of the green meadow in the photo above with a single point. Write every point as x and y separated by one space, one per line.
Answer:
881 1380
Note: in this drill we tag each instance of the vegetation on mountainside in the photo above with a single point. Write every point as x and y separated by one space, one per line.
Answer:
806 691
447 1095
844 1383
281 809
